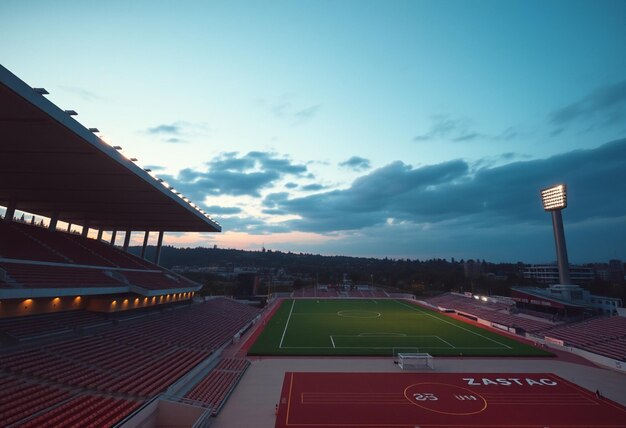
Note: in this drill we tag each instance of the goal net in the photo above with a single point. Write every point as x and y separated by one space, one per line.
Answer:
415 361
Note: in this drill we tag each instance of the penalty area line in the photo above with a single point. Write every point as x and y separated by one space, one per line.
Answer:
457 326
332 341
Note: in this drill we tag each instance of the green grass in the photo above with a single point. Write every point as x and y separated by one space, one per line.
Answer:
376 327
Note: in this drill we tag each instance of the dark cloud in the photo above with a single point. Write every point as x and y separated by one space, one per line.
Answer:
356 163
605 105
273 199
234 174
486 197
272 162
312 187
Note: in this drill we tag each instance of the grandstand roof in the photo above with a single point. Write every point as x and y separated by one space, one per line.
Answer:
542 294
51 163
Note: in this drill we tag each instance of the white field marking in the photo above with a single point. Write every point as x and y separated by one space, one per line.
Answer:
331 339
358 313
379 334
448 322
382 335
293 302
445 341
390 347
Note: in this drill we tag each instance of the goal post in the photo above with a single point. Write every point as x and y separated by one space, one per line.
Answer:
415 361
395 351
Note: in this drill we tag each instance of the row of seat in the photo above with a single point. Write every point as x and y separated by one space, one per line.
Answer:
38 325
30 242
602 335
490 311
26 399
32 275
217 385
137 360
85 410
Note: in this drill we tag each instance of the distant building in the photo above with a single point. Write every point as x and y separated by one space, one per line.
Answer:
549 274
472 269
616 271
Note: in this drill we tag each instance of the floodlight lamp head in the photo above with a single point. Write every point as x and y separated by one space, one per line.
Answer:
554 198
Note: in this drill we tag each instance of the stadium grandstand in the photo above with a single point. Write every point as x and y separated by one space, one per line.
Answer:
90 333
93 336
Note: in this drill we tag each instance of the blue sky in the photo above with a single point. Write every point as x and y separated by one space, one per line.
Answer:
390 129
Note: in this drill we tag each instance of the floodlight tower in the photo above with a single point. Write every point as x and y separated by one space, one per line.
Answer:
554 200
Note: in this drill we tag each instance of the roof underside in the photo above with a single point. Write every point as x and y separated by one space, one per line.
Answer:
50 163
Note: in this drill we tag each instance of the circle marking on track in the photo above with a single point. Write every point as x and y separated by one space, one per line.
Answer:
445 398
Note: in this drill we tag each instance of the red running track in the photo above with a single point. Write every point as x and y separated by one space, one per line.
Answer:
506 400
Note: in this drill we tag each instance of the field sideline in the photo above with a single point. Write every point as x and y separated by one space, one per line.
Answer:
376 327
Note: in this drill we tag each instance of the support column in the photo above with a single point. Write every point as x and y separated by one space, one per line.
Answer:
100 234
10 212
145 244
85 231
126 240
113 235
53 221
157 257
561 248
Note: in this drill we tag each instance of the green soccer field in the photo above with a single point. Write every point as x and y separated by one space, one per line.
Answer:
376 327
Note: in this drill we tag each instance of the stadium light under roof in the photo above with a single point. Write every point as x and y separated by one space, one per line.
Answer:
554 198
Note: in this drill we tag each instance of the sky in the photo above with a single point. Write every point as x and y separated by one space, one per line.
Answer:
417 129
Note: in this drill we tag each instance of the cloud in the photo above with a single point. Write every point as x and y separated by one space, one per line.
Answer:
457 129
312 187
308 113
286 110
446 127
489 209
235 174
177 132
492 161
356 163
605 105
83 93
482 198
169 129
